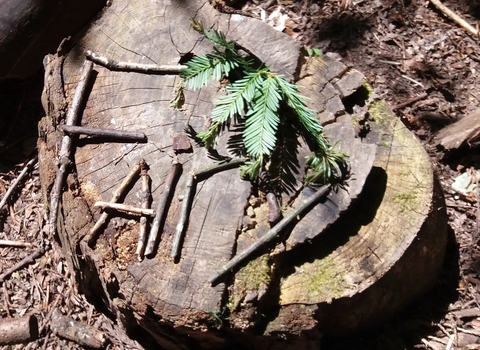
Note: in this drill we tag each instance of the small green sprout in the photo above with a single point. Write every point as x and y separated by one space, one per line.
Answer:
314 52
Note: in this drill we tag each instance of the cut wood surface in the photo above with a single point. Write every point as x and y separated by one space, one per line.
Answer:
141 102
345 247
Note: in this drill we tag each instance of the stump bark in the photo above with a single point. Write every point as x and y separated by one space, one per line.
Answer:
356 258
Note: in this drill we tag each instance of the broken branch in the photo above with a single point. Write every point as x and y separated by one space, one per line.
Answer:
270 235
18 330
182 221
133 67
66 148
125 136
410 101
146 195
17 181
456 18
66 327
124 208
218 167
117 194
454 135
25 261
187 200
162 207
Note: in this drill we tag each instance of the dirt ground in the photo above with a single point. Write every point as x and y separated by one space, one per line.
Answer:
405 49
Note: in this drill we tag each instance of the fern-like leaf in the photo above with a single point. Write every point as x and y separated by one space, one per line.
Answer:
251 170
283 163
209 137
215 36
218 38
259 92
199 71
326 165
238 95
295 101
179 97
262 119
326 162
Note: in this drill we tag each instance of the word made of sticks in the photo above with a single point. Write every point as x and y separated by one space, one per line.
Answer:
148 241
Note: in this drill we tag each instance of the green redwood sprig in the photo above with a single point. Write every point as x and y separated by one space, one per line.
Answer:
259 95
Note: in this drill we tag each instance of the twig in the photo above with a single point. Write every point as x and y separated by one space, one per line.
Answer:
270 235
469 331
124 208
184 211
413 80
117 194
218 167
428 344
443 329
451 340
437 339
133 67
402 46
80 333
130 136
436 42
66 149
146 195
456 18
25 261
8 243
188 195
45 342
410 101
17 181
475 96
6 300
162 207
393 63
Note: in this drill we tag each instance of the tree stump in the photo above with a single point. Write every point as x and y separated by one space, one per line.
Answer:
354 259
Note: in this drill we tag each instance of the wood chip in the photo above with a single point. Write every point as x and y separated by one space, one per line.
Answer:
181 144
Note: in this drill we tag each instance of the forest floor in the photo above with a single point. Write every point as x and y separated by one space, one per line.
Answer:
406 49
